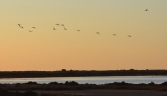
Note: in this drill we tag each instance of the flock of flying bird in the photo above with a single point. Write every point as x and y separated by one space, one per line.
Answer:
66 29
63 27
28 30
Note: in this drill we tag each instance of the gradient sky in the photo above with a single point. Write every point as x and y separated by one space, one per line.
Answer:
46 49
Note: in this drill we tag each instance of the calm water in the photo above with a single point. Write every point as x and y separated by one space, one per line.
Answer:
90 80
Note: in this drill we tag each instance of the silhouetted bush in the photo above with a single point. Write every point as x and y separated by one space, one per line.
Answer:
164 83
118 83
54 83
71 83
63 70
30 82
152 83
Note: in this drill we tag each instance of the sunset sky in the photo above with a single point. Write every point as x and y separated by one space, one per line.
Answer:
48 49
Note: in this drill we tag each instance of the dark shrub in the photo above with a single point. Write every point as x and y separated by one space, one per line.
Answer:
66 83
164 83
54 83
152 83
30 82
71 83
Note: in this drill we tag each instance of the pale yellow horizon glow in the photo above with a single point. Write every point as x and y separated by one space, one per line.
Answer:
46 49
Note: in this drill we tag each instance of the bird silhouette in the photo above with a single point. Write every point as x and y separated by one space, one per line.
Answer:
65 28
78 30
20 25
114 34
146 10
62 24
34 27
29 30
57 24
129 36
97 33
54 28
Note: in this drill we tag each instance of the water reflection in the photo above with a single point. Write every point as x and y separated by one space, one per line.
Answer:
90 80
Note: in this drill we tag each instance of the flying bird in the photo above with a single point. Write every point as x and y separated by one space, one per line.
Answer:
65 28
62 24
97 33
78 30
129 36
54 28
34 27
29 30
57 24
20 25
146 10
114 34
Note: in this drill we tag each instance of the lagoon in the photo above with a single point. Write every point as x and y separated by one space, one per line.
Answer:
90 79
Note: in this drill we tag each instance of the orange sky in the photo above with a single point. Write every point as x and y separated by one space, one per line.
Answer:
46 49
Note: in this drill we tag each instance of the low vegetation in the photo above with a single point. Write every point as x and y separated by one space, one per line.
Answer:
72 85
78 73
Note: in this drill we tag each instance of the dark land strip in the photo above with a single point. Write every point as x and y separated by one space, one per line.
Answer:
79 73
102 92
72 88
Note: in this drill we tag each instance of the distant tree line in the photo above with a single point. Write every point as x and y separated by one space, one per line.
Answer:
77 73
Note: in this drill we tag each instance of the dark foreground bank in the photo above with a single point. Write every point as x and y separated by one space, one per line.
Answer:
72 88
32 93
92 92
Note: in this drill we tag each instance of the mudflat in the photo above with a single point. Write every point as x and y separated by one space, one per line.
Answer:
104 92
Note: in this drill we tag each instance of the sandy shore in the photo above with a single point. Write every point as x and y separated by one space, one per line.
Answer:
102 92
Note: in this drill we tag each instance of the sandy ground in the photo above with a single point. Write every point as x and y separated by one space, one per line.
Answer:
110 92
